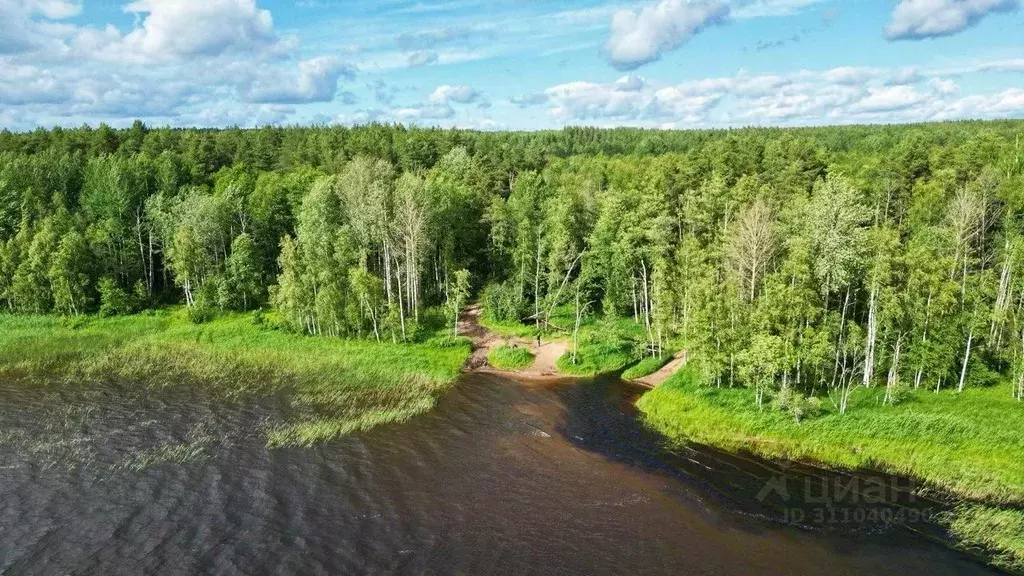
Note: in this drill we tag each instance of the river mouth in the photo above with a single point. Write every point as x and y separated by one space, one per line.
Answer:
503 477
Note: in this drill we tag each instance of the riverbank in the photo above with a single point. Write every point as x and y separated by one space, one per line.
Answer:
487 340
968 446
336 386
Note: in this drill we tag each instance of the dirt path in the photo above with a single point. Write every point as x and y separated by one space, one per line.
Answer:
666 371
546 355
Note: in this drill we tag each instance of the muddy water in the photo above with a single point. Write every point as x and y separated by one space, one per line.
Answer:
502 478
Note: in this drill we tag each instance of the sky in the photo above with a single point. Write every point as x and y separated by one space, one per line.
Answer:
508 64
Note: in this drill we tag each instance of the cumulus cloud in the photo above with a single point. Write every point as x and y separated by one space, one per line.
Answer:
316 80
917 19
460 94
943 86
24 23
588 101
840 95
638 38
183 28
888 98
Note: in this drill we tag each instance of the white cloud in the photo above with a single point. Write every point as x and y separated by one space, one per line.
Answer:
459 94
629 83
316 81
888 99
638 38
182 28
849 75
943 86
24 23
916 19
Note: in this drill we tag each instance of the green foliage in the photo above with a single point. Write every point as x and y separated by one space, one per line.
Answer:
795 404
513 357
605 347
114 300
457 294
502 302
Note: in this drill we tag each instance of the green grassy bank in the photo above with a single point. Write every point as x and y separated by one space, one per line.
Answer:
969 445
510 358
337 386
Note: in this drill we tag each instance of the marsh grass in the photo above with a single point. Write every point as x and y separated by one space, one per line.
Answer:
968 445
996 531
350 384
506 357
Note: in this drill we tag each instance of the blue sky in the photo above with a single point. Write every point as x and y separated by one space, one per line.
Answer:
525 64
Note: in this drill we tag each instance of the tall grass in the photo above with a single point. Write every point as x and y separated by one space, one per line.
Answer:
350 383
510 357
969 445
647 366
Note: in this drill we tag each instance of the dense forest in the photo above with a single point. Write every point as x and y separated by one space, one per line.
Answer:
804 262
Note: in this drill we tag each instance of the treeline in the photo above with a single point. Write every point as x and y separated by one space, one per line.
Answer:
804 260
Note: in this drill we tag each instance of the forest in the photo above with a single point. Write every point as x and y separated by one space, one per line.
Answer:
808 262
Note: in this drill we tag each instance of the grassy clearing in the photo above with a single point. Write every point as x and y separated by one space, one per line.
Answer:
969 445
337 385
506 357
647 366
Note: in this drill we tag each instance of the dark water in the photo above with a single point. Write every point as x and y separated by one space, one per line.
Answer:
502 478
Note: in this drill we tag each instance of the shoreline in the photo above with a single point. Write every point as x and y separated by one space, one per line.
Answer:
957 509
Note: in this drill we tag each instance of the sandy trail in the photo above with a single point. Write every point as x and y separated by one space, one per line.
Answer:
664 373
545 356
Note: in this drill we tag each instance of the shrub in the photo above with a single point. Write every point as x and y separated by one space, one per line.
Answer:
114 300
503 302
200 313
796 404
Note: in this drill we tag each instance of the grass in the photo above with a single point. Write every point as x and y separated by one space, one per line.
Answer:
336 386
506 357
968 445
647 366
606 346
999 532
508 329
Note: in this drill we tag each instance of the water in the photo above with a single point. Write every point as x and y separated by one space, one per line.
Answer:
502 478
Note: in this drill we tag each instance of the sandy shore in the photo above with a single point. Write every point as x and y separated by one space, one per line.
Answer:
545 356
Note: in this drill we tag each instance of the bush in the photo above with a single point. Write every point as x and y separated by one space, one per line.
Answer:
200 313
114 300
510 357
503 302
796 404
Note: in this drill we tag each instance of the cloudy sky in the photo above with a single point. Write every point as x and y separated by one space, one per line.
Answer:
508 64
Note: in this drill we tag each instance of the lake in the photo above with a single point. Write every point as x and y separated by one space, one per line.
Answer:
503 477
